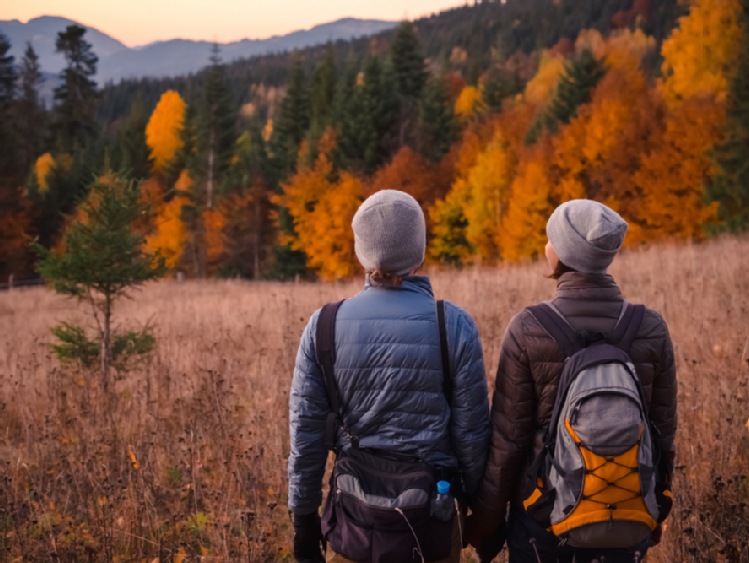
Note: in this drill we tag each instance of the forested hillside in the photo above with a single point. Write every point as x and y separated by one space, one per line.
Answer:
490 115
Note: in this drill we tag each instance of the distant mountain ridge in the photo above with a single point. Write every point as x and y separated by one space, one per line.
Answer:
173 57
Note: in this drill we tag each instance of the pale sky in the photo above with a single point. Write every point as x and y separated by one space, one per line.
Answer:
137 22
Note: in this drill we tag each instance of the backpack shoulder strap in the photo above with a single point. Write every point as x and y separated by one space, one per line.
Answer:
447 379
626 329
325 354
557 327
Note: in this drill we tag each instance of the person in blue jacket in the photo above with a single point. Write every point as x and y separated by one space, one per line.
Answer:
389 372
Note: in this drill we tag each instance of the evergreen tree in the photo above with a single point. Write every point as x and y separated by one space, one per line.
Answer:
730 186
8 166
103 259
293 121
410 77
575 89
248 233
76 96
215 129
408 62
133 155
498 86
30 117
323 93
367 118
437 125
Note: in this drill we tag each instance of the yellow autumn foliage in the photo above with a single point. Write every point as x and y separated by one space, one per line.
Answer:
164 129
469 102
542 86
170 234
322 210
700 55
42 168
480 194
523 231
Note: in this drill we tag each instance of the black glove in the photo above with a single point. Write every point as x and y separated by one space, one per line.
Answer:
309 543
488 550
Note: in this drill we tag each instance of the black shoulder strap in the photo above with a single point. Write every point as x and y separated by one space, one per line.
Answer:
325 353
447 379
626 329
567 338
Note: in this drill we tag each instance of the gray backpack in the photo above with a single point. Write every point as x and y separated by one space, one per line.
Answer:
594 484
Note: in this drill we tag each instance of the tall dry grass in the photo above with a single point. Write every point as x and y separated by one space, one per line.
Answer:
189 455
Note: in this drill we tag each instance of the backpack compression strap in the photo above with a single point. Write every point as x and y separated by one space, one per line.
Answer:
325 354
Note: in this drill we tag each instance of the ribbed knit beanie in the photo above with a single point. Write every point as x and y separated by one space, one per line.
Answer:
390 233
586 235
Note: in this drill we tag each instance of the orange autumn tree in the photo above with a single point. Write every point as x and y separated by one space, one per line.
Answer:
673 173
470 103
163 132
410 172
474 205
700 55
595 155
170 235
523 230
322 206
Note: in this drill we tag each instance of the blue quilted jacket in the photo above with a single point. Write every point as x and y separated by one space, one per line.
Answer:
389 372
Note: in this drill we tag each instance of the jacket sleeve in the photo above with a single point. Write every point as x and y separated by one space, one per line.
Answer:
308 408
512 425
663 401
469 422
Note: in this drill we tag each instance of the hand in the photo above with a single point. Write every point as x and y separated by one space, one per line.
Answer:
309 543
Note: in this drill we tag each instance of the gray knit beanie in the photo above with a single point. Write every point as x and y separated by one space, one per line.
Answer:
586 235
390 233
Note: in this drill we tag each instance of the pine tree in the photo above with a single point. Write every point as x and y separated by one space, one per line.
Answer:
76 96
410 77
30 115
248 233
293 121
215 129
574 89
437 125
8 78
133 154
408 62
323 93
102 260
730 186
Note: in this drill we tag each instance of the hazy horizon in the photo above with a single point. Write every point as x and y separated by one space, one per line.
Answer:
140 23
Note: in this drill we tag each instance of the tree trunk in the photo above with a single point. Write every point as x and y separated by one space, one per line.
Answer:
210 181
106 344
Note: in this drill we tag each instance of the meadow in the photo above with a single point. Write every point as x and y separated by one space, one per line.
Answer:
186 460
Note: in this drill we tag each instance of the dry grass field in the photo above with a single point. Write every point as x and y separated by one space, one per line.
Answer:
187 461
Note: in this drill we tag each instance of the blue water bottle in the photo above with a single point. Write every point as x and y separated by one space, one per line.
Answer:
442 507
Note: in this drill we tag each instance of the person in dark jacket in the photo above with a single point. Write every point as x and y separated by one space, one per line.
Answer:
584 237
388 368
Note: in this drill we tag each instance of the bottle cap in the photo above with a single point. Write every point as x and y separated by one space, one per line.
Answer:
443 487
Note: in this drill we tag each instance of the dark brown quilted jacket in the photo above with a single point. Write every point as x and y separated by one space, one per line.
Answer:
530 365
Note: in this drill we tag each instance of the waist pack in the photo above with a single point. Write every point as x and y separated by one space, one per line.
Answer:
593 485
380 506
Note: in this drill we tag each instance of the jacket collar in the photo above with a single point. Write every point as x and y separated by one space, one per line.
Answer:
419 284
578 285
